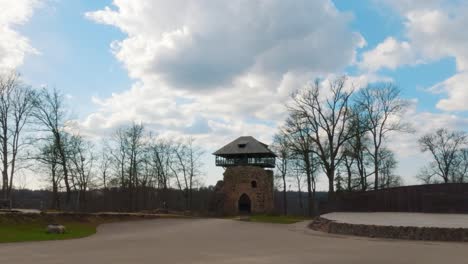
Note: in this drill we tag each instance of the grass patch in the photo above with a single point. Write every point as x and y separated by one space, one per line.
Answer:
36 231
278 219
33 227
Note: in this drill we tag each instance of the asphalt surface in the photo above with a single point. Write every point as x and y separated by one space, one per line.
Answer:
226 241
402 219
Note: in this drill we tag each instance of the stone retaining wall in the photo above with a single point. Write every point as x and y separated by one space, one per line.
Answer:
393 232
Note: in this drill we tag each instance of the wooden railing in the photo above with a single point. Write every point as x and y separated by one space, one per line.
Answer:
267 162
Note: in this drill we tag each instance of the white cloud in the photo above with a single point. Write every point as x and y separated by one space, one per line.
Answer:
219 69
13 46
434 30
201 65
457 90
406 146
390 54
207 45
404 6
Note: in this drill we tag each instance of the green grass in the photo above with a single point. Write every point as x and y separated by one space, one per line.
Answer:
278 219
32 227
36 231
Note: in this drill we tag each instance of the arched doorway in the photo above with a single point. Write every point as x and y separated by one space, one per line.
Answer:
244 204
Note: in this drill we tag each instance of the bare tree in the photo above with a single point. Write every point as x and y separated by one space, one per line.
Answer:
327 114
383 108
444 146
48 155
161 159
186 167
296 133
348 164
105 161
461 168
283 151
50 113
194 160
129 147
118 151
16 103
81 167
387 166
339 181
135 147
355 155
298 174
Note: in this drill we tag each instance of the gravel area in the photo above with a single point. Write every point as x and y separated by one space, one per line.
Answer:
226 241
401 219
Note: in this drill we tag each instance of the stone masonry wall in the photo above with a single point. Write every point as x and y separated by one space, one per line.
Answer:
393 232
238 180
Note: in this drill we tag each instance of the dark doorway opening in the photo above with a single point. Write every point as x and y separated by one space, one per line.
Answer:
244 204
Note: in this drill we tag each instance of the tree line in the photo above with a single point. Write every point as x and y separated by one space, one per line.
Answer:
449 153
342 132
332 129
37 134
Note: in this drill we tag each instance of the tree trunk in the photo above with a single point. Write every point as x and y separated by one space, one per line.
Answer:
55 195
376 170
5 185
309 185
331 180
301 204
5 163
285 203
348 168
313 198
12 168
331 187
63 161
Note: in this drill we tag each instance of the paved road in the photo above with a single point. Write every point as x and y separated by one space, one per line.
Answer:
226 241
402 219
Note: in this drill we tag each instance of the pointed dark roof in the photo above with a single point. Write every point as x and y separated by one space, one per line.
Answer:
245 145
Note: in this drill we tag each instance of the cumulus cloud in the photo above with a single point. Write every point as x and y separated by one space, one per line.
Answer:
207 45
222 69
434 30
404 6
390 54
14 46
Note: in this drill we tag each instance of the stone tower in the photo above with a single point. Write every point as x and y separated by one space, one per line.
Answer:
248 179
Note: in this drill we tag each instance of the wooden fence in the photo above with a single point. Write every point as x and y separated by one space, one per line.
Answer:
430 198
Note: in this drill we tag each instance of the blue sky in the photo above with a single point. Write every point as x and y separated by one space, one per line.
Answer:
376 24
76 57
213 71
74 53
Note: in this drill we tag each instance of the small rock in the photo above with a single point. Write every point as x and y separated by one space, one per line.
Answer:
55 229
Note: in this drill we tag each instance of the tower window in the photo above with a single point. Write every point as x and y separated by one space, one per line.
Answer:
241 145
254 184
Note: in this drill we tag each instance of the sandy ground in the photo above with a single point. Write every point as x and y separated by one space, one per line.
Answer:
402 219
226 241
